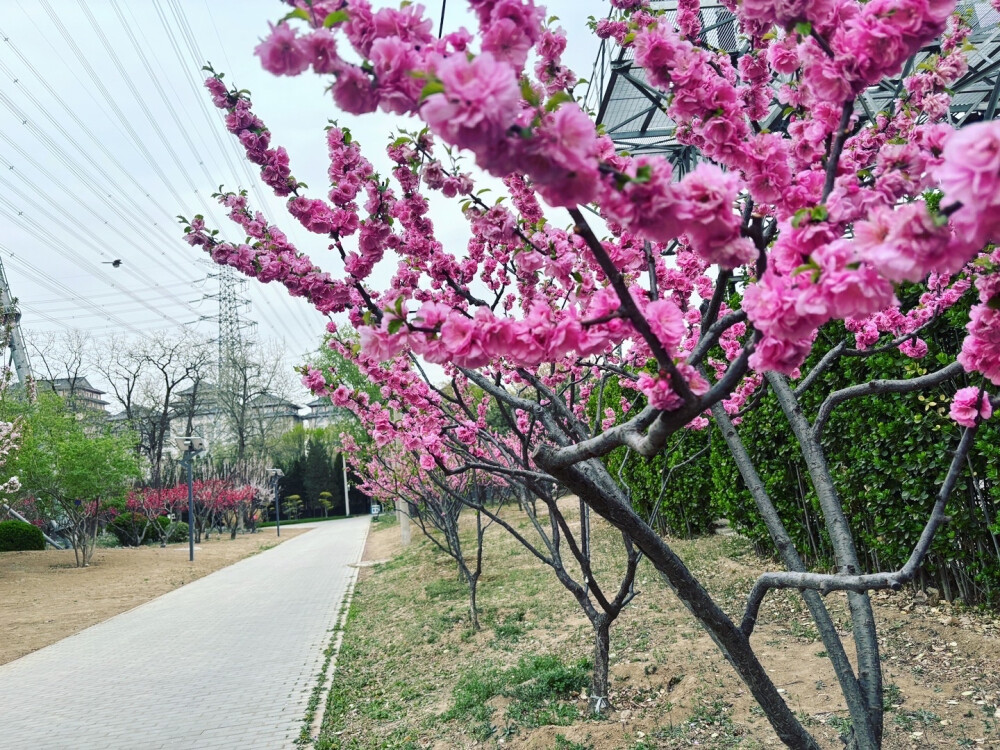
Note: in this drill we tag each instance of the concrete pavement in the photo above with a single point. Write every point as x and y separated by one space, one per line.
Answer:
227 661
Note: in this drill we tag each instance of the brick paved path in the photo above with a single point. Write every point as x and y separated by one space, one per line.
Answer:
227 661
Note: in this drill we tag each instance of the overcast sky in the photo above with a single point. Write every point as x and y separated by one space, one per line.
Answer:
106 134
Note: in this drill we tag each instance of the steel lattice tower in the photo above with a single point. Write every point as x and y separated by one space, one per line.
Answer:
234 305
10 315
632 111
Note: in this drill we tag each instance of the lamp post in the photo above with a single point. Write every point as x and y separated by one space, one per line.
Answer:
276 475
192 447
347 496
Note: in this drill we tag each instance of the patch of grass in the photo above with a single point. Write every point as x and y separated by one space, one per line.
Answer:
510 630
908 720
107 540
446 588
841 723
563 743
892 696
536 685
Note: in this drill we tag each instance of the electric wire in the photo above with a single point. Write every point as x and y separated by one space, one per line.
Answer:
42 234
43 279
138 215
190 41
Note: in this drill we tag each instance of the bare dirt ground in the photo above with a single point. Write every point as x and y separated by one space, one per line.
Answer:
46 598
671 687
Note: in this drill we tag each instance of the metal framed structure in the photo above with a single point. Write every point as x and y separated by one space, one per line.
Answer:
633 113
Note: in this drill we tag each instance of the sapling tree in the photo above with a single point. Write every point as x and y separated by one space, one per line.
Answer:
456 416
436 507
804 208
76 473
162 506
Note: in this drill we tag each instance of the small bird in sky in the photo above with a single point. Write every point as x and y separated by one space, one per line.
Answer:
113 263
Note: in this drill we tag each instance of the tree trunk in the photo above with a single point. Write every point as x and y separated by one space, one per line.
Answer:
599 683
590 480
473 582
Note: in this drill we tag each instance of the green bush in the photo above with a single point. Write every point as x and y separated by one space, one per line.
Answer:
179 533
131 529
18 535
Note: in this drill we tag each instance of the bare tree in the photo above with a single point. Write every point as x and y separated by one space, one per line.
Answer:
252 400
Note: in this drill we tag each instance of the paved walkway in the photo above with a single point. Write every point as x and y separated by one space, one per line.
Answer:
227 661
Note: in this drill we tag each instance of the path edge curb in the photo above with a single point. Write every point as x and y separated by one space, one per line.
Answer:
336 638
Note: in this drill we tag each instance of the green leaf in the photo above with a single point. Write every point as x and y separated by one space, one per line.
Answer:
799 216
556 99
297 13
430 88
803 28
528 93
394 325
338 16
643 174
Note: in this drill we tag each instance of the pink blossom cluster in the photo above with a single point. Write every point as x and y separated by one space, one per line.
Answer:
970 405
250 131
819 241
969 175
981 348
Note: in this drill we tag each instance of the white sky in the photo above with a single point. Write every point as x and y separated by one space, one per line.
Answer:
106 134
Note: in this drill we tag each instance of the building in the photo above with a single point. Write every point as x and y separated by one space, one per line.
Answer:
78 392
211 417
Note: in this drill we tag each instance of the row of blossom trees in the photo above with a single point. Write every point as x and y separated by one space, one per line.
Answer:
216 503
692 292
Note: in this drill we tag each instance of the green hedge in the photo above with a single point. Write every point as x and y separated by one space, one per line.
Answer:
131 529
887 454
178 534
682 506
17 536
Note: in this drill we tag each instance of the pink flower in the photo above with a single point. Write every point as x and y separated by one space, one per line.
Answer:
968 404
353 91
478 104
322 48
341 396
780 356
314 380
914 348
971 169
667 323
507 42
282 53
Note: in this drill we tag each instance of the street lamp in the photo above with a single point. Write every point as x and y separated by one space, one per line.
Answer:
276 475
191 448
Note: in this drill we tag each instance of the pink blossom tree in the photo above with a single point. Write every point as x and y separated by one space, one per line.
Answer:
153 503
437 487
697 290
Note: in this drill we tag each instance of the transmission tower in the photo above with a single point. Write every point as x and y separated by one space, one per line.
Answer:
234 308
633 112
10 315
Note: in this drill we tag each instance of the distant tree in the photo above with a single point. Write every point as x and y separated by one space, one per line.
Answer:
317 472
77 472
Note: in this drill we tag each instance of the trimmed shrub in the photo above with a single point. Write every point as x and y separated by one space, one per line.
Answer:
179 533
131 529
16 536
